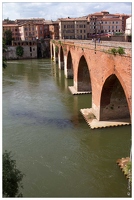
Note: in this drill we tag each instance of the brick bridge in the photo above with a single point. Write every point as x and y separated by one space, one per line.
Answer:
94 68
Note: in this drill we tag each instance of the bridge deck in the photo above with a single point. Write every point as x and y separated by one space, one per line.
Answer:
94 123
103 45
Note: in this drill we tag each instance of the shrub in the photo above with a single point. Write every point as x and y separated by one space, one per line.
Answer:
121 50
12 177
113 51
19 51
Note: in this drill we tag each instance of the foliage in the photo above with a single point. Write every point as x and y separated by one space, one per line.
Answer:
56 49
42 40
8 37
118 33
4 62
4 50
59 42
12 177
128 170
121 50
114 51
19 51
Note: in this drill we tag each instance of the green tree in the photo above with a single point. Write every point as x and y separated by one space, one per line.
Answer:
19 51
4 50
12 177
8 37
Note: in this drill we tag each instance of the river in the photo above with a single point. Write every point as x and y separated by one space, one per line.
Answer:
50 140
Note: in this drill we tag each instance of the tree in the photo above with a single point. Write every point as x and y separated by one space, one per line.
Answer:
4 50
19 51
12 177
8 37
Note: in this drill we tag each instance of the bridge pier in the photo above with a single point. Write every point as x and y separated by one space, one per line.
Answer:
93 122
68 69
60 63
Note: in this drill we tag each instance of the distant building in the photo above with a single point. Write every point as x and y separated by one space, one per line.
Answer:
128 30
30 50
103 22
73 28
67 28
27 29
54 30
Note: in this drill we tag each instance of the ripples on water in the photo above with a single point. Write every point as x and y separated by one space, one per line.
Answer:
58 122
51 142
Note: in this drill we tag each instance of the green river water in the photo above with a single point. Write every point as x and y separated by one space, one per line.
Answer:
50 140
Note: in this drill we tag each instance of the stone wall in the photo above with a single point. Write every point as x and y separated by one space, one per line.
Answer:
29 52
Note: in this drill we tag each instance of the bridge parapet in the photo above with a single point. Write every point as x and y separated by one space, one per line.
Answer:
103 46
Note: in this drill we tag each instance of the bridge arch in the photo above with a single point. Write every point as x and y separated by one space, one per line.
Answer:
69 65
113 102
52 51
83 76
56 53
61 58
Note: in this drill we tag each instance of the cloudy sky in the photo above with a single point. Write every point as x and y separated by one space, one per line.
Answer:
54 10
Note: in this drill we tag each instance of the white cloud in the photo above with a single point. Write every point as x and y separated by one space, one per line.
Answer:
54 10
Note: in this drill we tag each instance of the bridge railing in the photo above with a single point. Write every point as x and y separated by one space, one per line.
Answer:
101 46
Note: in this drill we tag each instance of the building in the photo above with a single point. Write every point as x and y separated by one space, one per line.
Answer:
73 28
54 30
104 22
11 25
30 49
67 28
128 30
27 29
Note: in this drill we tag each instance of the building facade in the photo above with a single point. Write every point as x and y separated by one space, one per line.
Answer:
67 28
128 30
27 29
104 22
73 28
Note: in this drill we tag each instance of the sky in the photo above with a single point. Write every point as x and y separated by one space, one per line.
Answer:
54 10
